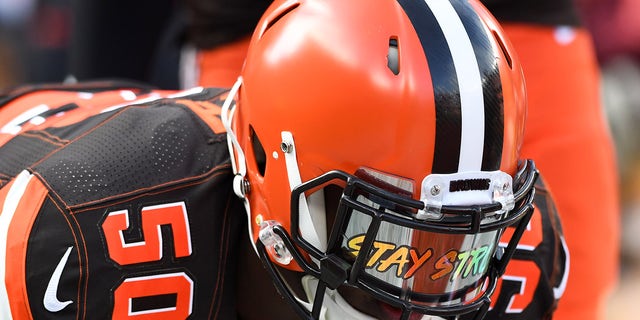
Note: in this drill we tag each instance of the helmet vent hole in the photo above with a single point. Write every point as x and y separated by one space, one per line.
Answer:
505 53
279 15
393 58
259 154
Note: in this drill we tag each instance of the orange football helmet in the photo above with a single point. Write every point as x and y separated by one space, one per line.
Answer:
376 146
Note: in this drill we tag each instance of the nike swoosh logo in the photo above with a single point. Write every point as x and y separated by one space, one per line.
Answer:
51 302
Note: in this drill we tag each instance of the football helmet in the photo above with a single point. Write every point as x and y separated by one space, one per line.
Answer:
376 147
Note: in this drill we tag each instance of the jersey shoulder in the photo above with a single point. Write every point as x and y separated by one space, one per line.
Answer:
535 278
120 204
37 121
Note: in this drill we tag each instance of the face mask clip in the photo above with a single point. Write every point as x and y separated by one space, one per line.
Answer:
465 188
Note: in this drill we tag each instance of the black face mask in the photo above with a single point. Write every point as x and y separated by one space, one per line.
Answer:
421 257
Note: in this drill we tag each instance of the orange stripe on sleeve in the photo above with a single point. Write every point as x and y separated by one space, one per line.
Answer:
16 247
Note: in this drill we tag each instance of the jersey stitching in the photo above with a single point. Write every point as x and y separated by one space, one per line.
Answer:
210 109
222 261
46 137
124 194
75 237
86 282
54 137
177 184
81 136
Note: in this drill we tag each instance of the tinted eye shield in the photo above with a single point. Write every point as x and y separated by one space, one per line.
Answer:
396 236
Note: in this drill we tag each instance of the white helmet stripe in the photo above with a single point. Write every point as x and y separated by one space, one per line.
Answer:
463 66
469 81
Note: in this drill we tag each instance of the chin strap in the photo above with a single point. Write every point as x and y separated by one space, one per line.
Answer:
227 113
239 167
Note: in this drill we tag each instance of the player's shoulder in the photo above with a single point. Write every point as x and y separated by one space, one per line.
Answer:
117 130
33 107
119 202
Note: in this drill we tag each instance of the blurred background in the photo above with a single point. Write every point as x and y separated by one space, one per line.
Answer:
68 40
615 29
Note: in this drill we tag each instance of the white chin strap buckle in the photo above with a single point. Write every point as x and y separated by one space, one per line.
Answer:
241 186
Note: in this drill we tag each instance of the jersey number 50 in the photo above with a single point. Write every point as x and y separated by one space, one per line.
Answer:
149 250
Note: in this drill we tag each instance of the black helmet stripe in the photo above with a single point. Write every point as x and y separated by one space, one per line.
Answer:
491 85
468 109
445 88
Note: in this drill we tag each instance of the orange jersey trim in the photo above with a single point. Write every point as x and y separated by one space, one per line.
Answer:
17 238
